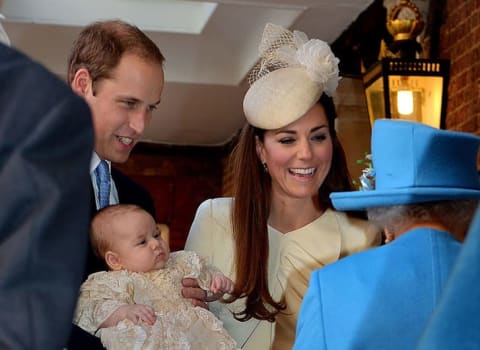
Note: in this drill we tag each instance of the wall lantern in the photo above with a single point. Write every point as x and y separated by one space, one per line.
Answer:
406 87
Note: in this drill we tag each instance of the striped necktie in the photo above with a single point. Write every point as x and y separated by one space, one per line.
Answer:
102 175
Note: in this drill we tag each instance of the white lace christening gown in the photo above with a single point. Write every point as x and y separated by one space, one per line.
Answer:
179 325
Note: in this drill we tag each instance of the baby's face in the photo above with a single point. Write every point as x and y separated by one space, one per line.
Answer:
138 244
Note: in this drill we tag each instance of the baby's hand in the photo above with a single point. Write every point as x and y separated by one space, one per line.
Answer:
138 313
221 284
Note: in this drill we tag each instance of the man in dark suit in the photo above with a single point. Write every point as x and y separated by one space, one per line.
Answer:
46 141
118 70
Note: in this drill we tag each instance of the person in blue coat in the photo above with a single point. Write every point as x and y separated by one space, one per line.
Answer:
425 194
455 321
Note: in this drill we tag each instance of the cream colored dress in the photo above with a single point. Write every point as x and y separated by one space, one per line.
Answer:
292 257
179 325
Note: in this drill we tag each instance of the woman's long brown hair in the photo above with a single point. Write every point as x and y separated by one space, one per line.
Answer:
250 211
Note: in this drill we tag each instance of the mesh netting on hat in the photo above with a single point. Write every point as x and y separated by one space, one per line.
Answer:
274 37
280 48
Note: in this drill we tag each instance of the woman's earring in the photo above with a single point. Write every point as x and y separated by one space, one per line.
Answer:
265 167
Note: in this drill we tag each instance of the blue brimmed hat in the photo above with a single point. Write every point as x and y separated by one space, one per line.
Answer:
416 163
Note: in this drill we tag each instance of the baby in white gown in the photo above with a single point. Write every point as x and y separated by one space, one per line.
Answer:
138 303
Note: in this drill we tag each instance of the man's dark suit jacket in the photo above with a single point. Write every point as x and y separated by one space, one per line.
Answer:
46 142
129 192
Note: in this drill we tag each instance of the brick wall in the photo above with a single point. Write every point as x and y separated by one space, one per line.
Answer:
460 42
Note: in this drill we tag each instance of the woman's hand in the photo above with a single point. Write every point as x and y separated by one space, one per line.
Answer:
192 291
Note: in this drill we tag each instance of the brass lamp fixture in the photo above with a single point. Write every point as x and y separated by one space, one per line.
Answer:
403 86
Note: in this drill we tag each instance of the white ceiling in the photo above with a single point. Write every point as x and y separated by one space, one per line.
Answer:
202 101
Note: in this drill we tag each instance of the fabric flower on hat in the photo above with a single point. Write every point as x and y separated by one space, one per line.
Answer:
317 58
321 64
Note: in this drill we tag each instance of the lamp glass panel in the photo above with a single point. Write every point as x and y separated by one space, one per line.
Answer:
375 103
427 98
432 105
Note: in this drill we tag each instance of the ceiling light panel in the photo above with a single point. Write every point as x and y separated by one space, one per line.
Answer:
150 15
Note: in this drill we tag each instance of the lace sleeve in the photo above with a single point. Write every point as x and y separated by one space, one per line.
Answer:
195 266
100 295
206 273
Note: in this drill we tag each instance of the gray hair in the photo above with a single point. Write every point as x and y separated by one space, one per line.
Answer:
455 215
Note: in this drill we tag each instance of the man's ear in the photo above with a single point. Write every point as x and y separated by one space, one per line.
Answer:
113 261
82 82
389 235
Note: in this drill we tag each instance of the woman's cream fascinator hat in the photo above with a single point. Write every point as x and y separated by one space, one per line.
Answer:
292 74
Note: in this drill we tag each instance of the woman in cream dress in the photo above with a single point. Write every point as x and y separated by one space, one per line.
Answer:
281 224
